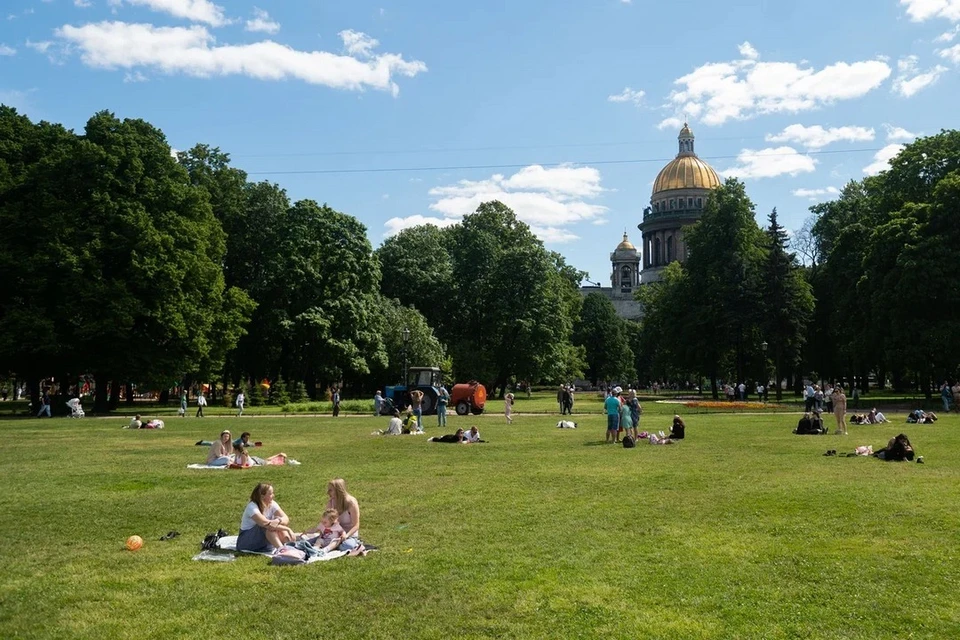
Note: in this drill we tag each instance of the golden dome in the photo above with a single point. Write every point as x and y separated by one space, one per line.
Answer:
626 245
686 172
686 130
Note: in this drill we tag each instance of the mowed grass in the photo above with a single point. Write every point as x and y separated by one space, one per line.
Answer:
742 531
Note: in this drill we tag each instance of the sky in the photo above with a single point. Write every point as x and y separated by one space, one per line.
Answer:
404 113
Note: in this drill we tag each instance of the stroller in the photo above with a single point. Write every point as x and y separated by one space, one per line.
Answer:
76 411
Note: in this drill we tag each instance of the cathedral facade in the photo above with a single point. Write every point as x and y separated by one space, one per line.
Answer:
679 195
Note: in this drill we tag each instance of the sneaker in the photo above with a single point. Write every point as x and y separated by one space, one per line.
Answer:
920 460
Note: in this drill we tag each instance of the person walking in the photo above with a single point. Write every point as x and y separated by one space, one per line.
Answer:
240 401
442 399
840 410
377 403
336 402
201 403
946 395
44 405
183 403
508 407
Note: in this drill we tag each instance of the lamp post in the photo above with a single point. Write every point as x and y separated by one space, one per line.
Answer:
406 339
763 357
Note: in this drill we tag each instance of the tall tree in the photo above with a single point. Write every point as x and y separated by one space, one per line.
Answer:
787 301
417 271
602 334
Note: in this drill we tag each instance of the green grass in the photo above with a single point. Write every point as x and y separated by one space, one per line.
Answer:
742 531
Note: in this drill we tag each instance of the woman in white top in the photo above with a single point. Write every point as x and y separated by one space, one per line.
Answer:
508 407
263 527
219 455
240 400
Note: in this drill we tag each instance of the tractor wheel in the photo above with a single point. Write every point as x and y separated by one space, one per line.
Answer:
476 410
462 408
428 405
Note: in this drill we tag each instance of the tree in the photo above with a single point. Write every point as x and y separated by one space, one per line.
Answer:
513 306
787 301
417 271
603 335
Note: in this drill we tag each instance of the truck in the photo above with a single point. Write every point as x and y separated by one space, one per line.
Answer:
468 397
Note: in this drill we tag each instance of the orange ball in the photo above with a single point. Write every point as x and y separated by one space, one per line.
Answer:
134 543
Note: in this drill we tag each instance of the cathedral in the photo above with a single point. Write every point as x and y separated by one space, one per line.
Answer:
679 193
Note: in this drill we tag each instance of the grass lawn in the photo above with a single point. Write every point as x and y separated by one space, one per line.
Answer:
742 531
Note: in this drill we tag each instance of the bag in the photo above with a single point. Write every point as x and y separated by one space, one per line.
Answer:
628 442
289 555
211 539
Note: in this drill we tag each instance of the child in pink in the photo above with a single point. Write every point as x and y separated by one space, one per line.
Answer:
331 533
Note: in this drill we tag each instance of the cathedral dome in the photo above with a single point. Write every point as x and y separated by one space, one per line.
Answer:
626 245
686 171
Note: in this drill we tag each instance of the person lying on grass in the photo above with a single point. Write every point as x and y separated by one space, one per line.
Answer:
331 533
264 526
452 438
472 436
898 449
219 455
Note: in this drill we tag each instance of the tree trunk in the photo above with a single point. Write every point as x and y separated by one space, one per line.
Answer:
114 394
713 386
100 394
128 392
164 396
34 386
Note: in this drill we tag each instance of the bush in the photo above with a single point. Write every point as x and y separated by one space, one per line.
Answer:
325 406
297 391
278 392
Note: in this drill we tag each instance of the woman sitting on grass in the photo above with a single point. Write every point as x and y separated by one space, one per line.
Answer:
348 510
219 455
679 428
264 525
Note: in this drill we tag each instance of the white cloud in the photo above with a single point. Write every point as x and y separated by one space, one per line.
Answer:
83 4
7 51
357 43
261 22
948 36
748 51
196 10
743 88
881 160
770 163
40 47
550 200
136 76
899 134
952 54
670 123
192 51
815 194
920 10
628 95
816 137
910 80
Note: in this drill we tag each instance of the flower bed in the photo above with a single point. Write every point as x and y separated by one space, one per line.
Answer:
728 405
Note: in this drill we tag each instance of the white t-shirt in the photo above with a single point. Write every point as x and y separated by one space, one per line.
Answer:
246 522
395 427
469 437
240 400
201 401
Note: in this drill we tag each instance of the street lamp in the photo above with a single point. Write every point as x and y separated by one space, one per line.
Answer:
763 350
406 339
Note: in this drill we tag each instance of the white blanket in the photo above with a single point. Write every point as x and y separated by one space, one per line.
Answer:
229 543
204 466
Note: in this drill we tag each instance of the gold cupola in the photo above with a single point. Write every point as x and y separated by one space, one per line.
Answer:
686 171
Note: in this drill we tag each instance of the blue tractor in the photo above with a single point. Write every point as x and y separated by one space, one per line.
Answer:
426 379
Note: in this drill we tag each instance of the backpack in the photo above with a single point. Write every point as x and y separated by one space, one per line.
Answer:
628 442
211 539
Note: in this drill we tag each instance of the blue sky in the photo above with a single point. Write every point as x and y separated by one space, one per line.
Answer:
564 109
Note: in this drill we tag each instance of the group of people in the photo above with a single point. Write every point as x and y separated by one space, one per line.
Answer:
950 396
565 397
138 423
265 527
225 452
460 437
623 416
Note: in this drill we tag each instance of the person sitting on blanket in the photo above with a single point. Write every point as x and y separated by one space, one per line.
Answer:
679 428
264 526
329 529
395 427
219 455
240 458
453 438
348 510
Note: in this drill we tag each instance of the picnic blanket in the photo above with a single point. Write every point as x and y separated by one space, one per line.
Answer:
229 543
277 460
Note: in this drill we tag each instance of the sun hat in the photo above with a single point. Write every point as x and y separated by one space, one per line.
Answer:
617 391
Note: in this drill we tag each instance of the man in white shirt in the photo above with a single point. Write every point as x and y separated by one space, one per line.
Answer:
240 400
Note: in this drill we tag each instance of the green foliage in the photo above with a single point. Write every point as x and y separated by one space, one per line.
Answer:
604 337
279 394
296 391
